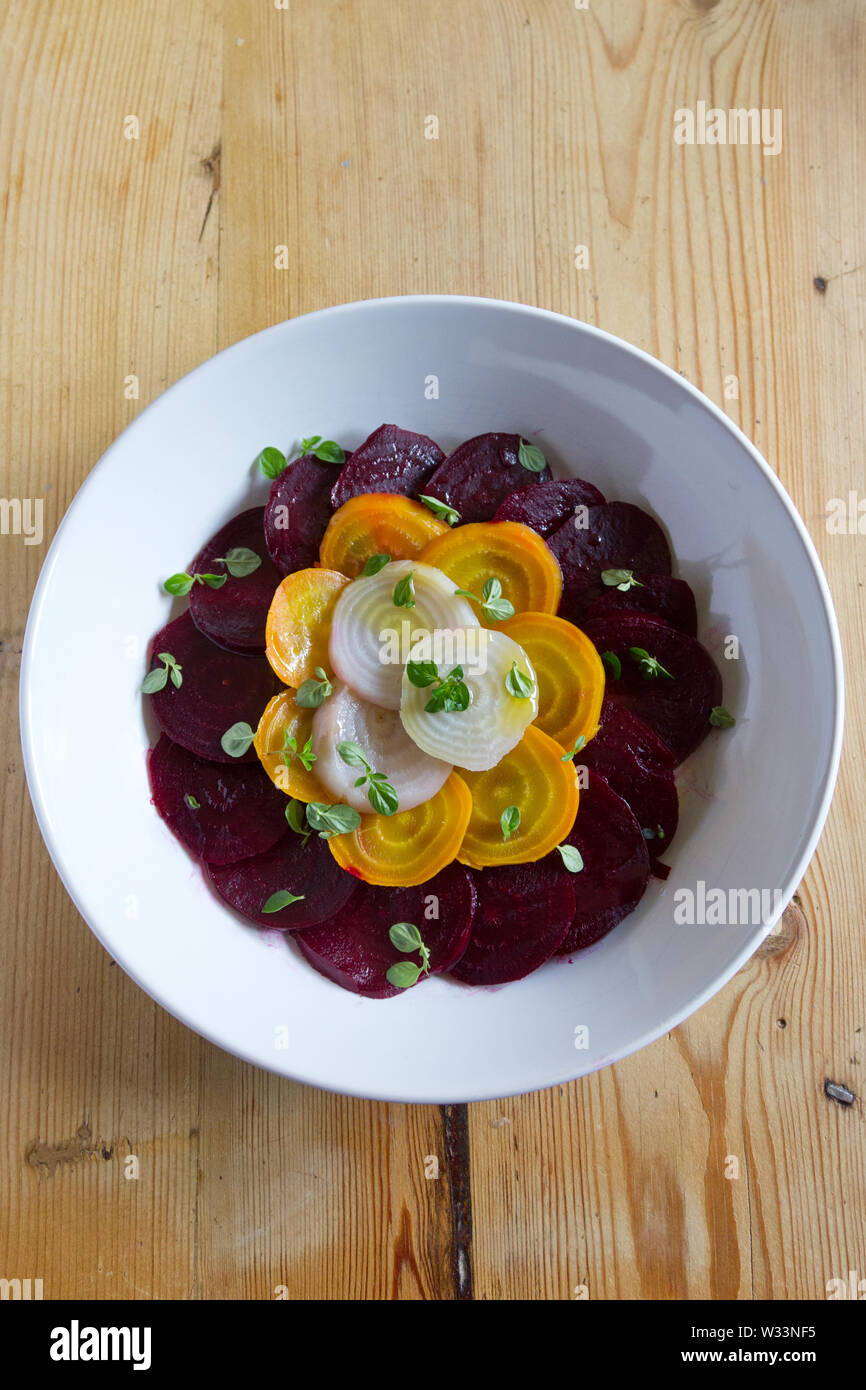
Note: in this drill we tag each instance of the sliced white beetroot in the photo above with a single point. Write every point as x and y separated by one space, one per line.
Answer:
494 721
371 635
346 718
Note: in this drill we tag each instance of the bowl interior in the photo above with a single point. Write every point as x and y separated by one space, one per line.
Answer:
753 799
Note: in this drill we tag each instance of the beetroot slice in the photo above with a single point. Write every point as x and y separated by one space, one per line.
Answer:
480 474
659 595
639 767
300 865
298 510
353 947
239 812
617 535
524 911
234 616
390 460
677 709
615 869
219 689
547 506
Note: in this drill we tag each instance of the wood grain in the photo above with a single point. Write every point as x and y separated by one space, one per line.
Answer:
304 127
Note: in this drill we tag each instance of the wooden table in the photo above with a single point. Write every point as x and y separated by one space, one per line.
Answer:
153 156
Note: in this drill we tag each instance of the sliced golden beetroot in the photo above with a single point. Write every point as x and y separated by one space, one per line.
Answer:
569 673
282 720
410 847
299 623
534 779
379 523
505 550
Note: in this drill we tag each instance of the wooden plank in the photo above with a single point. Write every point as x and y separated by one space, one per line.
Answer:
305 127
707 257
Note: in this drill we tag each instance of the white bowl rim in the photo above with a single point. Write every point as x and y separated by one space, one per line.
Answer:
721 978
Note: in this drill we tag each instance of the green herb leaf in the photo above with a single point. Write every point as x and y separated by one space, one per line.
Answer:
567 757
277 901
237 740
422 673
241 561
403 975
329 452
650 669
213 581
450 696
179 584
406 937
353 754
720 718
306 756
620 579
272 462
296 812
382 797
492 604
338 819
518 684
191 801
157 679
375 564
309 444
440 509
530 457
613 664
510 821
571 858
312 692
404 592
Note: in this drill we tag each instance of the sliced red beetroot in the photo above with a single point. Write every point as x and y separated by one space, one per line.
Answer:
615 869
523 913
302 866
659 595
678 706
220 813
616 535
218 689
639 767
298 510
390 460
480 474
548 505
353 947
234 615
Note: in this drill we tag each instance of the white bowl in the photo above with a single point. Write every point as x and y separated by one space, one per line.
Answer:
753 799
